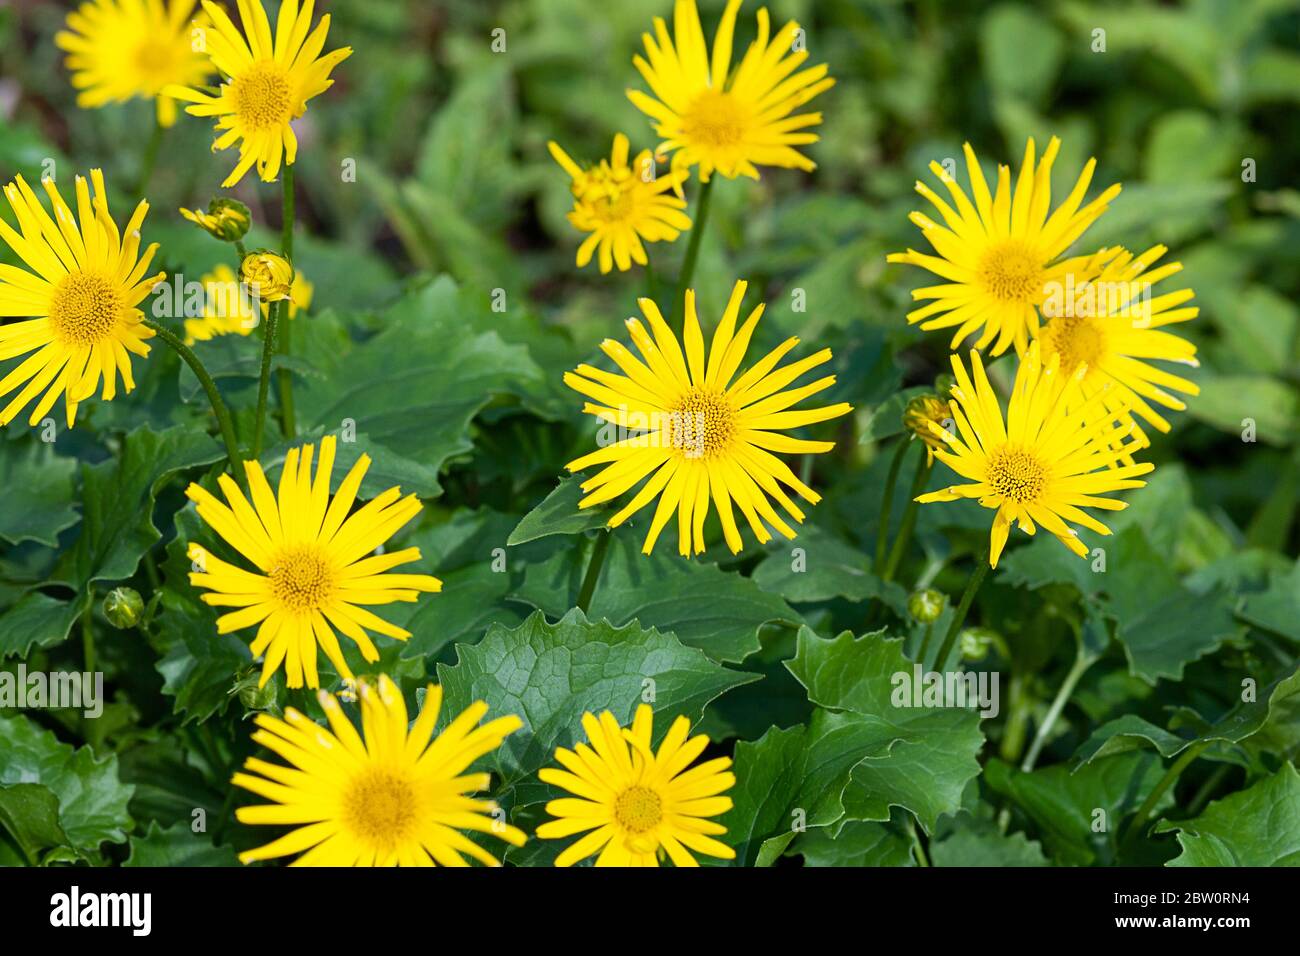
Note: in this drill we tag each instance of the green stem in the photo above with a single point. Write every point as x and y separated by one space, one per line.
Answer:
1202 796
286 213
241 252
692 252
149 160
224 422
925 642
593 571
88 634
921 858
887 504
1168 780
1081 664
285 377
968 597
919 481
264 381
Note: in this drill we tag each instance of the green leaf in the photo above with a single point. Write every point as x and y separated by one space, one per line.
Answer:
551 674
856 844
916 757
92 800
886 419
1235 403
977 842
37 620
1021 50
559 514
1129 732
825 568
468 554
39 490
716 611
415 387
1259 826
1277 607
117 502
178 845
1077 814
30 812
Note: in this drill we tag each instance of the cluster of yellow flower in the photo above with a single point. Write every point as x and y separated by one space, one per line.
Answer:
1083 327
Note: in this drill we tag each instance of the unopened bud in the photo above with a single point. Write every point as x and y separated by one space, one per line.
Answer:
123 607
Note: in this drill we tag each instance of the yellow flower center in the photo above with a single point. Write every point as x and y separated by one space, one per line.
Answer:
302 580
715 119
638 809
608 194
380 807
1077 339
703 424
1016 474
1011 272
263 97
156 59
85 308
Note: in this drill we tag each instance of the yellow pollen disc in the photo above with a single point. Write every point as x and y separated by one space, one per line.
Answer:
156 59
1010 272
302 580
381 807
1076 339
638 809
85 308
1016 474
702 424
263 97
714 119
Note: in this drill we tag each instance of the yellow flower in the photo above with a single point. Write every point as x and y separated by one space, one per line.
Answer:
1001 255
923 412
269 276
621 205
384 797
226 219
731 121
638 804
227 311
699 436
1109 325
119 49
315 565
80 298
1049 458
268 82
301 293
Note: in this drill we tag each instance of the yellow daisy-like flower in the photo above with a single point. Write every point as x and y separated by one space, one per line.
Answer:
120 49
699 436
731 121
227 311
1001 254
389 796
269 82
621 207
1110 324
301 293
1052 455
269 275
80 298
316 566
638 804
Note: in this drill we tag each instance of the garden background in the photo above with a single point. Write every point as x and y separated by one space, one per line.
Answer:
447 306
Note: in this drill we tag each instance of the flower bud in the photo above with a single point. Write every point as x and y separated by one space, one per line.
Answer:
975 642
269 275
226 219
251 695
925 605
123 607
928 417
